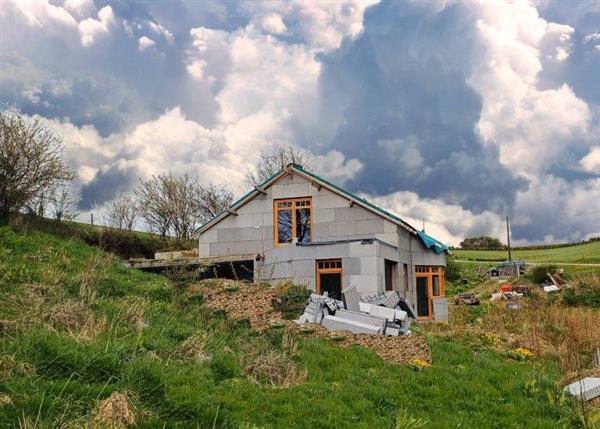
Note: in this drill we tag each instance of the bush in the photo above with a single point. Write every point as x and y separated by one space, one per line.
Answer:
585 294
452 272
290 299
539 273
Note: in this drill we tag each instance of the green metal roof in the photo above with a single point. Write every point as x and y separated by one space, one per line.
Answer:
429 242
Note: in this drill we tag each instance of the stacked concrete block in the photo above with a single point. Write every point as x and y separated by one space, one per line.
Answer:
587 388
334 323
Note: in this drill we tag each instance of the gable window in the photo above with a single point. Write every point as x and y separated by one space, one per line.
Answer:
293 219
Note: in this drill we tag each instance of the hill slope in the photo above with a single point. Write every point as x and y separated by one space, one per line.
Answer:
86 340
585 253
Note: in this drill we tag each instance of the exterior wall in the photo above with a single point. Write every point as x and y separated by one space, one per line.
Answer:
333 219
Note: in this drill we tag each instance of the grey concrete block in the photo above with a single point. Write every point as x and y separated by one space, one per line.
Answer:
291 190
351 266
358 248
440 309
304 268
347 228
353 213
323 215
387 313
327 200
374 226
209 236
351 298
587 388
362 318
333 323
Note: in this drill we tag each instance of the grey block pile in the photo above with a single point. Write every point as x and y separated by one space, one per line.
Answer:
376 314
587 388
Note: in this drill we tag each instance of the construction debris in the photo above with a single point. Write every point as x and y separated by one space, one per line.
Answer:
235 298
374 314
587 388
555 282
467 298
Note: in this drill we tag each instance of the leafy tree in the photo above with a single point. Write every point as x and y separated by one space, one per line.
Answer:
482 242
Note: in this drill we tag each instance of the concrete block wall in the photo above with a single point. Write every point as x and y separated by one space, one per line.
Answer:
251 232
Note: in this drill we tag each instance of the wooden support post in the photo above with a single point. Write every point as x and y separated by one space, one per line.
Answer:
261 190
351 203
231 211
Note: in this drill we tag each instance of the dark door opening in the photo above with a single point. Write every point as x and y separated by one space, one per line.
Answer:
423 297
391 270
329 278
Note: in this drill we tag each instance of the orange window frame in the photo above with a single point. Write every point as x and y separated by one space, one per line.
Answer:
329 266
428 273
294 205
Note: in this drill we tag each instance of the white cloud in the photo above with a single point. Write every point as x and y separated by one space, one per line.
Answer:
162 31
273 23
406 153
90 29
449 223
334 166
591 162
145 43
322 24
533 129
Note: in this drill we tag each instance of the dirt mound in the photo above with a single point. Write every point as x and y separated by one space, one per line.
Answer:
253 302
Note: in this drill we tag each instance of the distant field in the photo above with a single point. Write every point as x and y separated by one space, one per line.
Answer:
588 253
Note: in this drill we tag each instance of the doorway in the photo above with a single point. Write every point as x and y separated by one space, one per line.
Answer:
423 309
430 284
329 278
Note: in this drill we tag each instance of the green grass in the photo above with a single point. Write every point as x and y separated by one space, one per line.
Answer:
583 253
127 330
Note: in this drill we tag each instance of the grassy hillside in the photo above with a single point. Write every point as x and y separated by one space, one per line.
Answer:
583 253
126 244
87 341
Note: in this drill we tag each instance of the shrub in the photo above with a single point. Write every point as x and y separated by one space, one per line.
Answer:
452 272
539 273
586 293
290 299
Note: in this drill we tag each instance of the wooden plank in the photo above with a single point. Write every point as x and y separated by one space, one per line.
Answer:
161 263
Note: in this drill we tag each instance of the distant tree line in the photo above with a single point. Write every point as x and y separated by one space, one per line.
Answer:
35 179
483 242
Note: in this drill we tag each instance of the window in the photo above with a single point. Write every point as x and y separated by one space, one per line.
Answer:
391 268
293 219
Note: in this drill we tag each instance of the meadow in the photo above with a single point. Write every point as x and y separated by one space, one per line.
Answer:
585 253
88 342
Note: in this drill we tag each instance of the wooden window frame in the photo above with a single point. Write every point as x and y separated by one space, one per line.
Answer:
337 269
276 209
394 274
423 271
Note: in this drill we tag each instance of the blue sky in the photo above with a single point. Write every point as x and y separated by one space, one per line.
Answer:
458 113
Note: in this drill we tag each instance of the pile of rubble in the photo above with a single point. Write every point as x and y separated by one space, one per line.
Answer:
555 282
374 314
253 302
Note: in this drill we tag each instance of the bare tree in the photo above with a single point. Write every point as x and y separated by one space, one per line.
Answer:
122 212
214 199
185 204
271 161
64 200
31 164
154 200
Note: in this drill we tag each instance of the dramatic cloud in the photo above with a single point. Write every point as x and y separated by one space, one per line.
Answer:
454 112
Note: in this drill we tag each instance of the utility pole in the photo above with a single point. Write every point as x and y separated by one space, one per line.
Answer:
508 239
423 224
92 218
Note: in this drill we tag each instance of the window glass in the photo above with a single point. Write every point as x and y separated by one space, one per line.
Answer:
436 286
303 225
284 226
